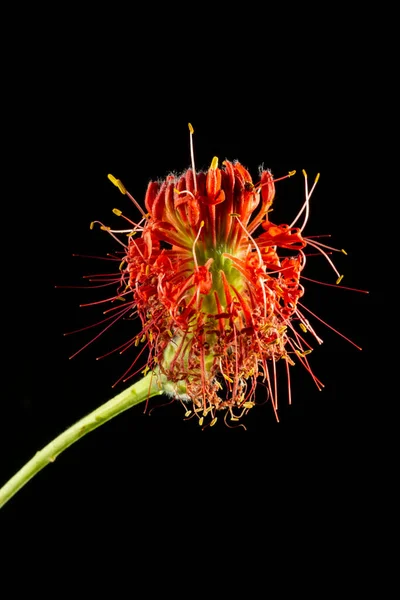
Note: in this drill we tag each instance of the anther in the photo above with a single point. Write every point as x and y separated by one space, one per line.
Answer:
214 163
117 183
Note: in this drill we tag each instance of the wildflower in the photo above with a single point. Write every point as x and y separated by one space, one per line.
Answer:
217 287
217 303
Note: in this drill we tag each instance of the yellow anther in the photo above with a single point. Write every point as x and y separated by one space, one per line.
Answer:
291 173
104 228
234 419
304 173
145 370
137 341
303 327
151 336
187 413
120 298
214 163
91 225
248 404
339 279
112 179
117 183
306 352
317 177
227 378
143 338
120 266
117 212
234 215
191 128
213 422
202 224
147 269
201 421
290 361
344 252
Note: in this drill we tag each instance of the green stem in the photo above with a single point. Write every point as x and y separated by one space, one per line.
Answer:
145 388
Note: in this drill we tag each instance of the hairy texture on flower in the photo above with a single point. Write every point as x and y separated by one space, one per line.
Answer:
215 302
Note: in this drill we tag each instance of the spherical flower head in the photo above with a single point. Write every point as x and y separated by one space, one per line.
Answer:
214 300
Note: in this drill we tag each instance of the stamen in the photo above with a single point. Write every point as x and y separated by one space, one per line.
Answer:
101 332
111 232
258 186
261 262
235 215
324 245
290 174
124 191
117 183
188 192
306 206
317 246
330 326
194 244
214 163
191 130
342 287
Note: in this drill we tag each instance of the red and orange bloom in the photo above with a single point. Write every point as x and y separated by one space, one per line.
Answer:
218 303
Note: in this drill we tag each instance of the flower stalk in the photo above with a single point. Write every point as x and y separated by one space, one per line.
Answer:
216 286
147 387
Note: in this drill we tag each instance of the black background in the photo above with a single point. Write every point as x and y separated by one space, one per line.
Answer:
137 146
84 114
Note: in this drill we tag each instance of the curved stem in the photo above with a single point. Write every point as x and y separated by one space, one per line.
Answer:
142 390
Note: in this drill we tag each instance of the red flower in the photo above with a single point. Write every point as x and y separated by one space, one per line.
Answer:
216 303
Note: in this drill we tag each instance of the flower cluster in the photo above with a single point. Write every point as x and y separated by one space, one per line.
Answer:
215 303
219 306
